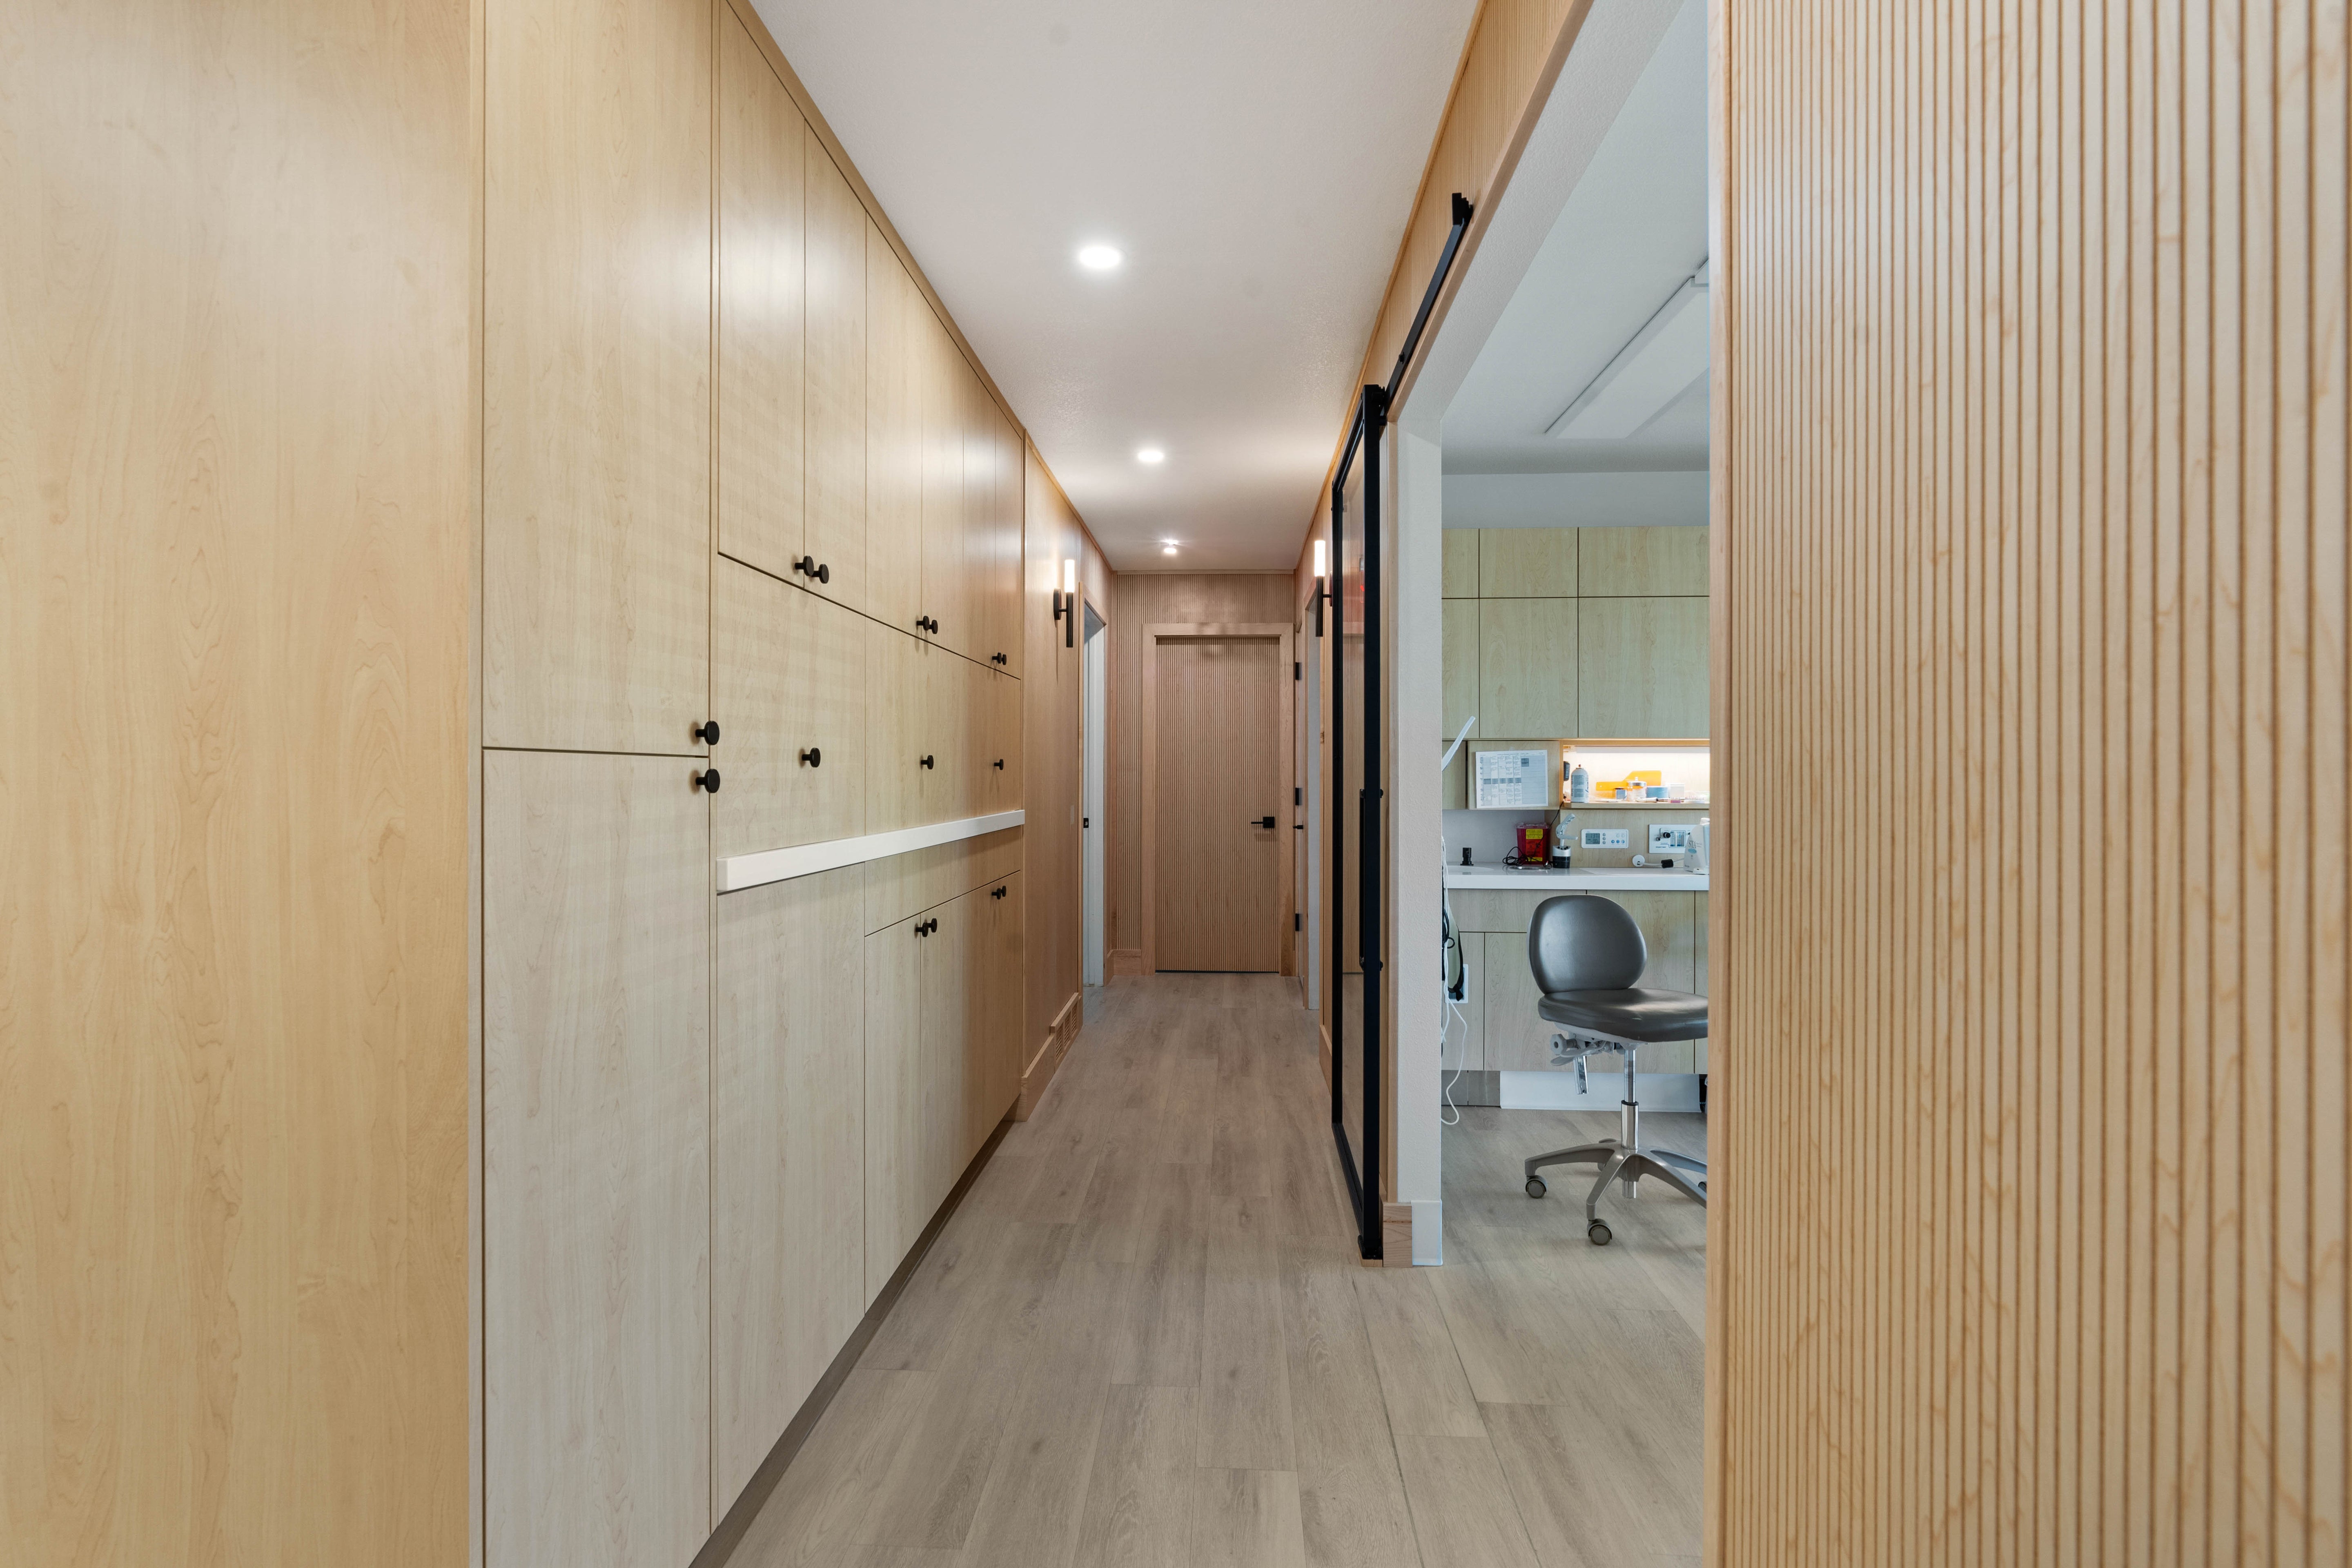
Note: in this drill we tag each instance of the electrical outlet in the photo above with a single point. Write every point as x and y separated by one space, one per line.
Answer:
1670 838
1607 839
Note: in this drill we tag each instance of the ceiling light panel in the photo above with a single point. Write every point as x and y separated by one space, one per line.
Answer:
1099 257
1666 358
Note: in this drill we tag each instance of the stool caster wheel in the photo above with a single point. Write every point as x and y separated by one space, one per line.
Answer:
1535 1187
1598 1233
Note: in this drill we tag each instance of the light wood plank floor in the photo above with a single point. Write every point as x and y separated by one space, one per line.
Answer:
1145 1339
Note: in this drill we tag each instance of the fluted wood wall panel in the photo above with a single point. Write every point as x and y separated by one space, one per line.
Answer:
2030 1107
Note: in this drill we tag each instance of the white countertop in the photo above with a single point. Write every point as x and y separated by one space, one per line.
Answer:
1625 879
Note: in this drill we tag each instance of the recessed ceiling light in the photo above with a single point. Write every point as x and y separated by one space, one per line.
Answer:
1168 547
1099 257
1149 455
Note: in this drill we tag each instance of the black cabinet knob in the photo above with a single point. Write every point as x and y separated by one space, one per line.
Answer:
1000 764
928 624
997 894
823 573
926 762
997 658
813 758
810 567
706 731
708 779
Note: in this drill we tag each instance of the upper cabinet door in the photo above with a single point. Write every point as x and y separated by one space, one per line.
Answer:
894 440
837 506
949 389
1001 610
595 1159
760 288
597 374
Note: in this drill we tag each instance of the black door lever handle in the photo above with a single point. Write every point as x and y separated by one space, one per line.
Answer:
1262 822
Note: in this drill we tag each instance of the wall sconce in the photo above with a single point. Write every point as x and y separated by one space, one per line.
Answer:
1322 586
1065 604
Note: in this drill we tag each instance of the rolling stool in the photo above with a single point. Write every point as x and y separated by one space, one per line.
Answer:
1586 952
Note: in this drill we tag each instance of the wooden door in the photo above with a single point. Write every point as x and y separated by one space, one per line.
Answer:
894 440
897 728
787 1157
836 510
1215 776
789 692
893 1134
946 397
595 1167
597 374
954 993
950 688
762 289
1003 965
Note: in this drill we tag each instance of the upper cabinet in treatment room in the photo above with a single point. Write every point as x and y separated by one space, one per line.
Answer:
597 374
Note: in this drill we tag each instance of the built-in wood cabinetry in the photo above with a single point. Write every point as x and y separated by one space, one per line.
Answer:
787 1157
596 1158
715 1124
1556 633
596 404
790 675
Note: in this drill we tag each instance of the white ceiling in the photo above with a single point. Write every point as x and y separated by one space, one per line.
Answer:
1255 163
1632 229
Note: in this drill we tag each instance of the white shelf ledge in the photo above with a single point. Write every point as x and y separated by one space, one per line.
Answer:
737 872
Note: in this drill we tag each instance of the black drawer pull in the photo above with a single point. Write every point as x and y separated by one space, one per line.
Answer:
1000 764
809 566
706 731
926 762
708 779
997 894
928 624
813 758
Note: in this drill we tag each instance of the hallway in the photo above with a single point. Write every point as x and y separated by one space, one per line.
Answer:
1144 1337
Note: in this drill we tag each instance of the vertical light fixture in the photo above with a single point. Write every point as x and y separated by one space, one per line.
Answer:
1065 604
1322 590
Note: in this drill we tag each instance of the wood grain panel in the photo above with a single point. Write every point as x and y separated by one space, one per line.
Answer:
1460 570
762 295
1052 862
789 675
596 1170
1641 668
597 374
1528 653
896 1055
1659 562
787 1157
838 524
2030 464
894 441
1526 564
1460 676
236 542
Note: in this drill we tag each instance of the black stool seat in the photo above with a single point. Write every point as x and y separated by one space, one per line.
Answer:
1632 1014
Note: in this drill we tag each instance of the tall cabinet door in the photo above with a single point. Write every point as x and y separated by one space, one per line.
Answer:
789 692
595 1160
997 1028
788 1173
894 440
953 1084
1001 597
899 729
837 505
946 383
952 690
895 1113
597 374
761 287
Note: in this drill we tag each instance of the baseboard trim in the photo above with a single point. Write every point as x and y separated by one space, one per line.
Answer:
1323 1043
1038 1076
1396 1236
1122 960
754 1496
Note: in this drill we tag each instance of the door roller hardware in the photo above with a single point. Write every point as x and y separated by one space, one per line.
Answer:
813 758
708 779
706 731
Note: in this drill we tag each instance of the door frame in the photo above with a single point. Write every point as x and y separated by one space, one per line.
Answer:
1279 633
